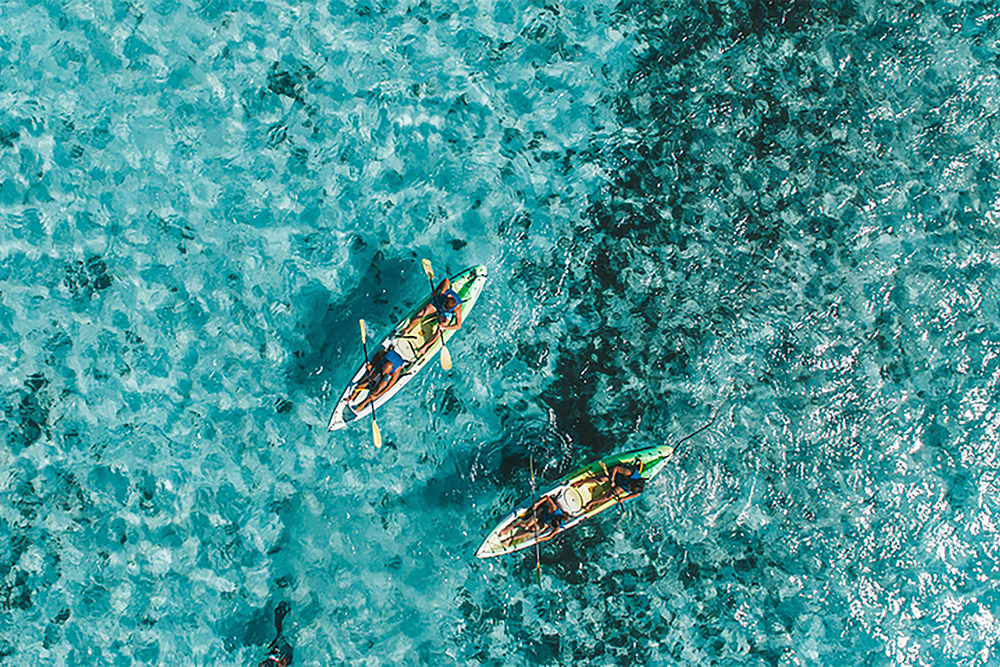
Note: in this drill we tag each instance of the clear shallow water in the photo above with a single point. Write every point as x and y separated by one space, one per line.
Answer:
786 214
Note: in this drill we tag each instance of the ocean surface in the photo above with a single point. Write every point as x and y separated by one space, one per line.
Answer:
785 215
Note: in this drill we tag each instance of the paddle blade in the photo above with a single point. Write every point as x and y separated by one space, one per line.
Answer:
427 268
363 332
445 358
376 434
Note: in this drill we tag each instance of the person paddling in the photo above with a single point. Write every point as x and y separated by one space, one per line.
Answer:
389 365
624 481
446 303
545 519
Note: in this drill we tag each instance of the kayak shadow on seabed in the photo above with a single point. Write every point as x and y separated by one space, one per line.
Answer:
318 355
524 441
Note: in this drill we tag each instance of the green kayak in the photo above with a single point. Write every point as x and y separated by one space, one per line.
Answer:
577 496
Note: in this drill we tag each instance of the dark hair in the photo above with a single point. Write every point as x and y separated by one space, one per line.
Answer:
636 485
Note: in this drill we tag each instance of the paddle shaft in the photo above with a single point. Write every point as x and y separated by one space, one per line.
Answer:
445 355
371 378
534 515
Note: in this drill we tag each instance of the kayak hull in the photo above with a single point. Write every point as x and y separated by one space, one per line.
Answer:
469 285
581 494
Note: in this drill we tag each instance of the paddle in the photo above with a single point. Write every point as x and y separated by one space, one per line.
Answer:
445 354
376 433
534 515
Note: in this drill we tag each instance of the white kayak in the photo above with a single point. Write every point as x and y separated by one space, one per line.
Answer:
468 285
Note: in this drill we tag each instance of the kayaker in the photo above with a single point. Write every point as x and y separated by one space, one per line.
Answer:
446 304
624 482
625 479
545 518
389 365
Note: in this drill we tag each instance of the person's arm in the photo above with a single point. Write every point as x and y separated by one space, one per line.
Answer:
522 522
531 522
546 501
622 491
457 323
386 381
392 379
616 471
547 535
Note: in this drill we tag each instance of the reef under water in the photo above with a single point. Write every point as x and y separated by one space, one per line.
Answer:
781 214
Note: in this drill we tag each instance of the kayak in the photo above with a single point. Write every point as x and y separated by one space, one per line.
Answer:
580 495
468 285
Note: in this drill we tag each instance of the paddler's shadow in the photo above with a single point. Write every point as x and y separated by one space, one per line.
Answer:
526 445
328 350
502 464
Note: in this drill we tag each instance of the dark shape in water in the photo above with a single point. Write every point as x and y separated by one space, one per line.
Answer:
570 393
524 440
85 279
289 79
281 652
32 415
9 135
324 341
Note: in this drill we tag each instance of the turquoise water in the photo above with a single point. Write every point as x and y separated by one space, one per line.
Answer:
787 213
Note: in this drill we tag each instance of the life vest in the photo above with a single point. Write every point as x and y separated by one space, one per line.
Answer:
393 358
440 299
624 484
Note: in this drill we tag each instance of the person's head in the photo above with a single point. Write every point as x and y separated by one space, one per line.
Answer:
544 509
448 305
